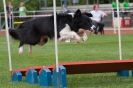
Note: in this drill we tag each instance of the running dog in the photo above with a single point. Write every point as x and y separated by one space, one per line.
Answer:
39 30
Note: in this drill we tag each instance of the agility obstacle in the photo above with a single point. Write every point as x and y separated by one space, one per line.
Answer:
45 73
72 67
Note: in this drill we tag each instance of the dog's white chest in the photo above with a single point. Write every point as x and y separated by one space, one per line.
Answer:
66 34
65 29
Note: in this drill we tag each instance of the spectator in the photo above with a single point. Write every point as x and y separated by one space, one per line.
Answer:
97 18
126 7
22 12
9 10
114 6
64 3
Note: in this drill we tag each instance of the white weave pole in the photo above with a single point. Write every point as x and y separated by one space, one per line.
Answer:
7 37
119 32
113 21
56 44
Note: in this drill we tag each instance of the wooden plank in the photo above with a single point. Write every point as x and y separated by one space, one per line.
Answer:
97 66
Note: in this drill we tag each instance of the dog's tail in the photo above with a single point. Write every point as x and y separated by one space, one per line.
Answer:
13 33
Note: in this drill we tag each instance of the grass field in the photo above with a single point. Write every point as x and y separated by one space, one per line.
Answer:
99 47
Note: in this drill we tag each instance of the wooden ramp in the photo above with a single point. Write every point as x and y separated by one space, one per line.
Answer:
97 66
86 67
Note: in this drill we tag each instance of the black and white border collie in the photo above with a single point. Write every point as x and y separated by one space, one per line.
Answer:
37 31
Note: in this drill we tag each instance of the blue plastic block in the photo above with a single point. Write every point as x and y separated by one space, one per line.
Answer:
45 77
17 77
124 73
60 77
132 73
31 77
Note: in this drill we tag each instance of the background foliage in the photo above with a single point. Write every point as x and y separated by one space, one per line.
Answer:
30 5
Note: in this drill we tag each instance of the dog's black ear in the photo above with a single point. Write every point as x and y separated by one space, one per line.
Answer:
77 13
87 14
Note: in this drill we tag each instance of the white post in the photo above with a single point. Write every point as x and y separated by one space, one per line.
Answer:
7 36
0 22
113 21
56 43
119 32
34 14
12 19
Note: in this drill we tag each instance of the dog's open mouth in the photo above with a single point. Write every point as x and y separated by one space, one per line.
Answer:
93 27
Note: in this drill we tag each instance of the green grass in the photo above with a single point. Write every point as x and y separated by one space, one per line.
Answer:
99 47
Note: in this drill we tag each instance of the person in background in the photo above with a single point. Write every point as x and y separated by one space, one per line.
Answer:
9 10
114 6
97 16
22 12
126 7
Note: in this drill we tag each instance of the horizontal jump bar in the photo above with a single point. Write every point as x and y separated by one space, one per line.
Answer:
18 22
24 71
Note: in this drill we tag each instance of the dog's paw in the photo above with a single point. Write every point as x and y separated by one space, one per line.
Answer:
61 39
85 38
78 41
29 52
68 40
21 50
30 49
